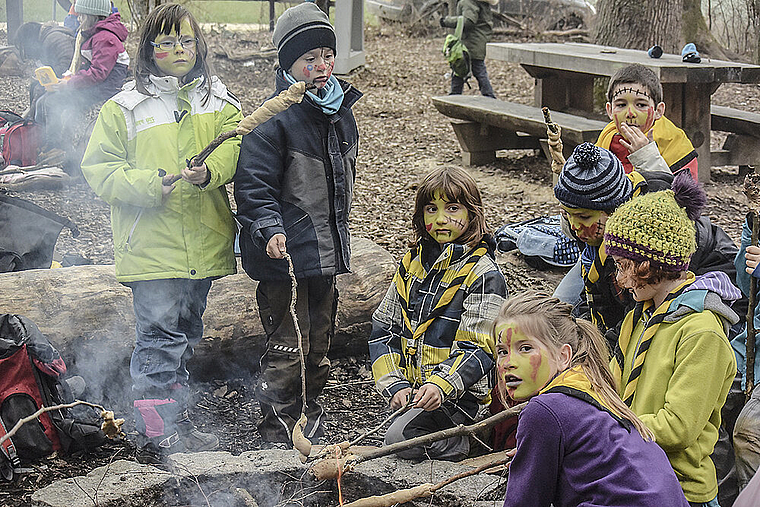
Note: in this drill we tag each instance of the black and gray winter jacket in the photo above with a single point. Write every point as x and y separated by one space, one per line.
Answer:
295 176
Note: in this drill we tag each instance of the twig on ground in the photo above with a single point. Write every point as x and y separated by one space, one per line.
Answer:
111 422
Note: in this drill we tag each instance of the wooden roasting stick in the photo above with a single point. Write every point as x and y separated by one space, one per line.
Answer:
111 426
328 467
423 490
277 104
554 135
752 191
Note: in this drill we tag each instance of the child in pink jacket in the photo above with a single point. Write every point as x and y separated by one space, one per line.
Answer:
102 72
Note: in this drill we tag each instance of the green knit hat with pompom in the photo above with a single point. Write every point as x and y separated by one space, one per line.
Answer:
658 227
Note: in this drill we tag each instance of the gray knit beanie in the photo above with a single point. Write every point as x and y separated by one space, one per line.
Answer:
301 29
593 178
94 7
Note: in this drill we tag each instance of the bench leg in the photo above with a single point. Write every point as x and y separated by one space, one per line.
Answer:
480 142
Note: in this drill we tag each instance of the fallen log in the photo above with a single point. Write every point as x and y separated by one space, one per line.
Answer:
88 315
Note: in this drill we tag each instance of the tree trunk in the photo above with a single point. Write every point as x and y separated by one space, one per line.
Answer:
88 316
639 24
694 29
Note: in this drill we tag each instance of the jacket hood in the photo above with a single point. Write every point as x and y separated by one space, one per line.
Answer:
712 291
50 27
113 24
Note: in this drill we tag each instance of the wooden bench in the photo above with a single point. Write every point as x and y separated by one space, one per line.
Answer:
742 146
484 125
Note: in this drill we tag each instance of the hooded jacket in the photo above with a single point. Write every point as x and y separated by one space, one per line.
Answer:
188 234
607 304
295 177
434 323
104 50
478 25
573 449
686 373
56 47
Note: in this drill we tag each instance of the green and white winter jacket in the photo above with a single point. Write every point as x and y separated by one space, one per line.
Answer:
189 233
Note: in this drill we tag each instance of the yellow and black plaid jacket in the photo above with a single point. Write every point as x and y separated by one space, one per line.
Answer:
434 322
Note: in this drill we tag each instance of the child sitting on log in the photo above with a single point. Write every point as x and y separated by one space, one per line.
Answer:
430 345
639 134
101 76
673 363
577 442
171 238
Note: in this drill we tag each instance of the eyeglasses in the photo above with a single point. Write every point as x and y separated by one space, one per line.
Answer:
169 45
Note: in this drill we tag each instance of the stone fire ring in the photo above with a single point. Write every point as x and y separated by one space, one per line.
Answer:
130 483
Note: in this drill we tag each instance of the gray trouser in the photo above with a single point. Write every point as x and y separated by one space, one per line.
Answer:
417 422
747 440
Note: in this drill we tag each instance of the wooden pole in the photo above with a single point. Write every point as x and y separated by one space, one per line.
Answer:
751 331
14 16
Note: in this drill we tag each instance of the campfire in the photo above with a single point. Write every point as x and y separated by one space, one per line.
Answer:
273 478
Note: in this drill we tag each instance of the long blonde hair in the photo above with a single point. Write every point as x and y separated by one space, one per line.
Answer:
550 321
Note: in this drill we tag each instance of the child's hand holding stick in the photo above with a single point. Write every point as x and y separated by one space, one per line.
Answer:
286 98
554 134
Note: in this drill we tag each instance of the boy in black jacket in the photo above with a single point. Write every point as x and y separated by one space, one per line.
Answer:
293 189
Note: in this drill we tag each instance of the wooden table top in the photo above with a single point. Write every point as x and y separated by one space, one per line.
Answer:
606 60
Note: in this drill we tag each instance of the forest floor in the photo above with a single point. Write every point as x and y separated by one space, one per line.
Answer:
402 138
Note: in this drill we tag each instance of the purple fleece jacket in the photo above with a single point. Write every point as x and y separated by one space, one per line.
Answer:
571 453
105 41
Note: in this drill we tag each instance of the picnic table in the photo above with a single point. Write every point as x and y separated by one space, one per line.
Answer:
565 74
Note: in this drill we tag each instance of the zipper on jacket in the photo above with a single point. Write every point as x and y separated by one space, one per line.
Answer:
638 342
127 245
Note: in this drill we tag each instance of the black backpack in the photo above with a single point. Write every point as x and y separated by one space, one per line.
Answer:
31 376
28 234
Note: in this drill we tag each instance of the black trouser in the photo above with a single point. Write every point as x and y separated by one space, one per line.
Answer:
279 387
480 73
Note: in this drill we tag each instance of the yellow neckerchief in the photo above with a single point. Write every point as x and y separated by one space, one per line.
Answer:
411 267
647 334
594 273
672 142
574 382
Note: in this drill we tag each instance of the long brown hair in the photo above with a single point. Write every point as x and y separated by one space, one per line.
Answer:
162 20
550 321
458 186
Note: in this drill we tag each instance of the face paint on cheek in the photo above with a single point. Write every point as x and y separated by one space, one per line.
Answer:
588 231
649 121
428 226
161 55
307 70
330 69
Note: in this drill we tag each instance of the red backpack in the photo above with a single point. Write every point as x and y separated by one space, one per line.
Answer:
19 139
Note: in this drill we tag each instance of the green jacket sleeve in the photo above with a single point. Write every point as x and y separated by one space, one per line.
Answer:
471 13
693 391
106 166
222 162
